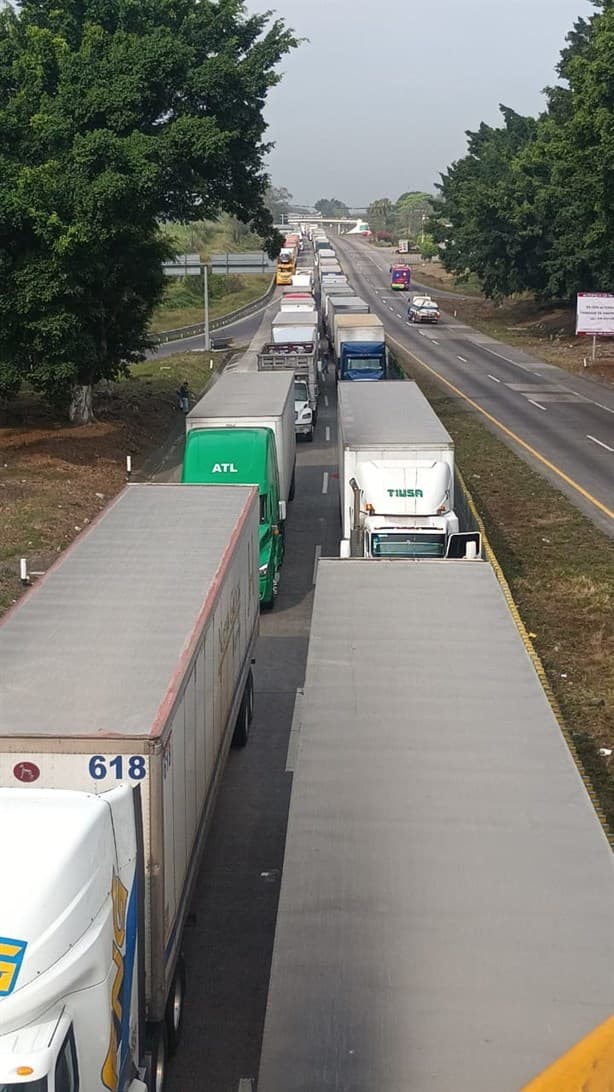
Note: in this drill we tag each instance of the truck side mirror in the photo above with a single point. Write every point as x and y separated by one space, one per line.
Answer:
282 511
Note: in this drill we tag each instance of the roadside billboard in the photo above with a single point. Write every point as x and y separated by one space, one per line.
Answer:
595 314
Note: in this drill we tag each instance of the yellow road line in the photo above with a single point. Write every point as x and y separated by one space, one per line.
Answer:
508 432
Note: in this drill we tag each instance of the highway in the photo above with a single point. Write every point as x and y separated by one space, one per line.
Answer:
562 424
229 941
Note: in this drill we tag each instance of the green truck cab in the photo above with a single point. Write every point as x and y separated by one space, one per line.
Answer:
244 456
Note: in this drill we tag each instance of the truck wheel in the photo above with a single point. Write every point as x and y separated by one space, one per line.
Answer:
292 486
174 1007
241 732
157 1054
250 696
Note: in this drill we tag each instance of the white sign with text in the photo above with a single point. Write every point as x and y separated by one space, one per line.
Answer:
595 314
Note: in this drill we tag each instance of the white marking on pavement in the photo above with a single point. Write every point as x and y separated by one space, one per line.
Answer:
600 442
536 404
494 378
325 399
318 554
463 359
325 482
327 434
434 341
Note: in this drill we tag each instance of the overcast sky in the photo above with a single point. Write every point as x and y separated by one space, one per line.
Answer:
379 98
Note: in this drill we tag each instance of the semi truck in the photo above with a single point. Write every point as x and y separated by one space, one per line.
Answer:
360 348
126 674
301 358
447 895
396 476
329 291
297 301
242 432
342 305
286 266
303 279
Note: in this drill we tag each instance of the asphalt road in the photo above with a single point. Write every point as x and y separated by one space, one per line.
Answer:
562 424
241 332
229 941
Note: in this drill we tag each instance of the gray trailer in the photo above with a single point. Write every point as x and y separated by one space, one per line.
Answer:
342 305
127 667
447 898
299 358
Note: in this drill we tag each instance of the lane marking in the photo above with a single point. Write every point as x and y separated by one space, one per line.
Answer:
494 378
433 340
325 399
325 482
327 434
317 556
463 359
529 367
508 432
600 442
533 403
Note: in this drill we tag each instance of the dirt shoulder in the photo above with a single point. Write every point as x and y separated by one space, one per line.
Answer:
55 478
545 330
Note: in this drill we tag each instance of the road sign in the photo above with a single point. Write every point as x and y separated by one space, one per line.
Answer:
254 262
595 314
184 265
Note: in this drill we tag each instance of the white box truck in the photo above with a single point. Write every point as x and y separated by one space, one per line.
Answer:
126 671
396 476
294 326
447 893
343 305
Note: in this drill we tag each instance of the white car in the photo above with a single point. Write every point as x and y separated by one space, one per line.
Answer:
303 414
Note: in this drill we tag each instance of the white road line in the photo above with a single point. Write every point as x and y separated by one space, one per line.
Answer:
494 378
536 404
327 434
434 342
325 482
325 399
600 442
601 406
318 554
463 359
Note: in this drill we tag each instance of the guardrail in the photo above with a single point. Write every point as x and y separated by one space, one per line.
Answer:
218 323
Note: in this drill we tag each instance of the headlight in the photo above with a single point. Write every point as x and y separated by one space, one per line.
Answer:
263 569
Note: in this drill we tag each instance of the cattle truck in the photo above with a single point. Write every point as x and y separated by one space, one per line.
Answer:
126 674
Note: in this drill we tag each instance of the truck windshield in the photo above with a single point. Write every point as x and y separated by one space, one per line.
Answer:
300 392
364 363
407 544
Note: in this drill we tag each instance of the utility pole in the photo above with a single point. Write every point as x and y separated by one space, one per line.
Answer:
206 292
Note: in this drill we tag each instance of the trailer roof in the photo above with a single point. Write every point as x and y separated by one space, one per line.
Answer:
94 647
383 414
358 320
245 394
445 917
296 318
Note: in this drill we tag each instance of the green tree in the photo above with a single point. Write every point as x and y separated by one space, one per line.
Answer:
114 116
380 215
409 210
277 200
332 207
428 248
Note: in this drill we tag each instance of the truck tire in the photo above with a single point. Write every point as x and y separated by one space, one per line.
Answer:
241 732
157 1055
174 1007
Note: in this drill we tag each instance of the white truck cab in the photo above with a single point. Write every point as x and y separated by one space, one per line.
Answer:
69 953
303 414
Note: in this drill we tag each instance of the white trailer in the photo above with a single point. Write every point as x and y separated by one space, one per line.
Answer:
125 673
294 327
343 305
298 301
302 279
243 400
396 475
447 895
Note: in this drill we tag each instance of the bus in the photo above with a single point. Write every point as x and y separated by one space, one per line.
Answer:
400 278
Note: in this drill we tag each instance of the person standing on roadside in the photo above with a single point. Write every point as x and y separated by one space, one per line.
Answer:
183 395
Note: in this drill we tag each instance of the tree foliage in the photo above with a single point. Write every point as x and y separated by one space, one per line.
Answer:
114 115
277 200
531 205
332 207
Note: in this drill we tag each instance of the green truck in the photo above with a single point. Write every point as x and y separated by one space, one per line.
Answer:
241 432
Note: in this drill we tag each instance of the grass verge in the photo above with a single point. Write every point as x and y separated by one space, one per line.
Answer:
560 569
183 303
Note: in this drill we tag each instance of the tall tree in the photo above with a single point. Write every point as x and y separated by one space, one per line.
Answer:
380 215
114 116
332 207
277 200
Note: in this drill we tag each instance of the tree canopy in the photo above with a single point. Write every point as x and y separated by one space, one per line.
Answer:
115 115
403 218
332 207
531 205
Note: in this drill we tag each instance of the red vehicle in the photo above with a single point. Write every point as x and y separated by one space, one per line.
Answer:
400 277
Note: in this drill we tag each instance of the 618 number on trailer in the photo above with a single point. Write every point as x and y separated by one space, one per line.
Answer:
119 767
